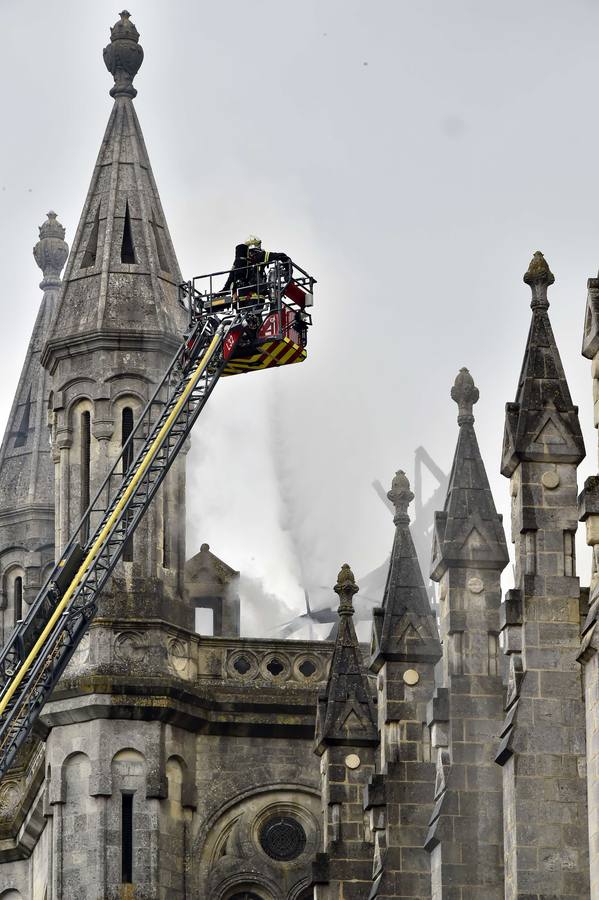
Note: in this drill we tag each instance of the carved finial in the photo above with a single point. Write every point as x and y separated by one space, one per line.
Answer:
539 276
465 393
51 251
123 56
400 496
346 587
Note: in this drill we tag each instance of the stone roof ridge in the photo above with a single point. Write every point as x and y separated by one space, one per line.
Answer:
122 275
26 467
207 560
346 714
542 423
468 531
404 627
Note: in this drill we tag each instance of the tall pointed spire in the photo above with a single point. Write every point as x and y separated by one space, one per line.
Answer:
469 529
404 627
122 275
26 466
26 469
117 324
346 713
542 424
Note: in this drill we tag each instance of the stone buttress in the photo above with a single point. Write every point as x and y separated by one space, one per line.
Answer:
346 737
542 748
465 838
405 647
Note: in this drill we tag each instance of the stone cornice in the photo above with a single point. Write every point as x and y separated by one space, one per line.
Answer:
90 342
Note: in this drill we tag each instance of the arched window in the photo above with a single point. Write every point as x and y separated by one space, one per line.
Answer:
166 547
86 442
126 429
18 598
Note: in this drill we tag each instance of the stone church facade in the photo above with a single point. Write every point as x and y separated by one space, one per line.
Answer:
456 757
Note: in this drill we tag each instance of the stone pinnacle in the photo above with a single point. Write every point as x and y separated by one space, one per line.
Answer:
539 276
400 496
123 56
51 251
466 394
345 588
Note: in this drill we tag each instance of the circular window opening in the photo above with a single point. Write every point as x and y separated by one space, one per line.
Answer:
275 667
282 838
307 668
245 895
242 666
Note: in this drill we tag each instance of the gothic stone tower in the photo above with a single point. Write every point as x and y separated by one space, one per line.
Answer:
543 738
167 764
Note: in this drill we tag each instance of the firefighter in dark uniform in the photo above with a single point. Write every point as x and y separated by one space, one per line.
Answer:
238 274
248 279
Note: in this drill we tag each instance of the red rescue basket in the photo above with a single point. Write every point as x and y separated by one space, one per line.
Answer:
275 304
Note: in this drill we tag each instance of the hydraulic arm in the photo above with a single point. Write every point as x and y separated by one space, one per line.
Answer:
219 341
42 644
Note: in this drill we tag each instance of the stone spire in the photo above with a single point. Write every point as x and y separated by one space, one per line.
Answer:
26 474
122 274
26 468
469 554
117 324
346 713
542 424
404 627
469 529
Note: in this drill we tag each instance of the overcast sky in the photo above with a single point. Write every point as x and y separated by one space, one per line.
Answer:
411 155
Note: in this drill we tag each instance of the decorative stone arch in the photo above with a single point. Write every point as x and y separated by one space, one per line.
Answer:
180 784
128 762
11 894
11 568
248 885
76 759
251 791
232 849
113 378
127 396
302 891
80 403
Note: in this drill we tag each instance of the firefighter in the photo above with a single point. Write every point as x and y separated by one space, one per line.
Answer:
247 280
259 257
237 275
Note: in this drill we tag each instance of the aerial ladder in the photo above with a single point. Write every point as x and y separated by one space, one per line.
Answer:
262 323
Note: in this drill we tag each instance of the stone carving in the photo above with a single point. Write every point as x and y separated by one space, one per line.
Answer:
248 665
465 393
130 646
178 657
51 251
10 798
123 56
